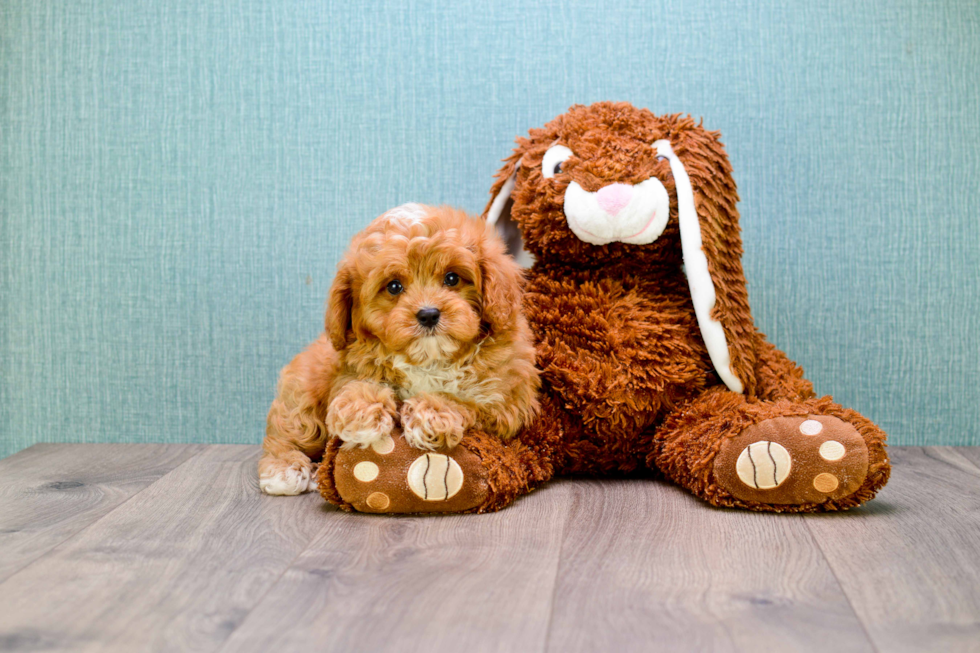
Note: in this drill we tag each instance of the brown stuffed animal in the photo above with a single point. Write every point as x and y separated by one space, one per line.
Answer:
647 347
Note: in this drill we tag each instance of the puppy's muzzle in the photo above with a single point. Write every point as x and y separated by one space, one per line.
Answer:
428 317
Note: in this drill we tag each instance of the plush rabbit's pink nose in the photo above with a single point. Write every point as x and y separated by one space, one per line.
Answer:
614 197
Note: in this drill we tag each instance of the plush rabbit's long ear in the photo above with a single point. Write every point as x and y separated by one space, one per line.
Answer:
497 214
712 251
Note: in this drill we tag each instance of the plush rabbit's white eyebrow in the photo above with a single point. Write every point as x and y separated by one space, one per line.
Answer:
555 154
696 267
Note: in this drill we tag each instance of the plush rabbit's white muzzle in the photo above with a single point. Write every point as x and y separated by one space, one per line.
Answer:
618 212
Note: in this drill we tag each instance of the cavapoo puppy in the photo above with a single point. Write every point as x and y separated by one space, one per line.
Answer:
424 331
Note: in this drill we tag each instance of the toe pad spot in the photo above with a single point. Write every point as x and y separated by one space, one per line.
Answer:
383 446
825 483
811 427
378 500
832 450
365 471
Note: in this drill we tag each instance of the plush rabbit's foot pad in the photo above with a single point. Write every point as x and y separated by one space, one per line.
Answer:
793 461
390 476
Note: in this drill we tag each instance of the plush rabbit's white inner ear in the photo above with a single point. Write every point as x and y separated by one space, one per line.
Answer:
696 267
499 218
500 201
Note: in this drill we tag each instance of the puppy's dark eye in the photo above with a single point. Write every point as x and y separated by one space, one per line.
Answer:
451 279
395 287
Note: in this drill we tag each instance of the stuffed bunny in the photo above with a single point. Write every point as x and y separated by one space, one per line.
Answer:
647 348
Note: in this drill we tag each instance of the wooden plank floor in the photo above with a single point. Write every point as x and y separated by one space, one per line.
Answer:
173 548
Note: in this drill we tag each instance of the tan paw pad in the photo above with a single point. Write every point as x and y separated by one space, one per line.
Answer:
792 461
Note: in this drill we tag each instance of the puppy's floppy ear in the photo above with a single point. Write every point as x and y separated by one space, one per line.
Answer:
501 283
497 214
339 306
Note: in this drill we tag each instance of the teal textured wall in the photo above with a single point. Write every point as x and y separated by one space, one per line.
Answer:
179 178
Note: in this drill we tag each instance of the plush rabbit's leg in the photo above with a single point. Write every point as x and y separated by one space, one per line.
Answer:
783 456
517 467
480 474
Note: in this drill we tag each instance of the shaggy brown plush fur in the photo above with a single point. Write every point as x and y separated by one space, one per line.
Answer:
627 380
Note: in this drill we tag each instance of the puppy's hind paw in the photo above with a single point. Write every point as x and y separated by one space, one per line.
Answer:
288 480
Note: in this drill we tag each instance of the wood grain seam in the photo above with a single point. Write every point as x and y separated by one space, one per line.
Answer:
840 586
558 567
926 451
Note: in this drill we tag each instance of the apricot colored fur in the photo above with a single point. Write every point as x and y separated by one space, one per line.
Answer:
376 367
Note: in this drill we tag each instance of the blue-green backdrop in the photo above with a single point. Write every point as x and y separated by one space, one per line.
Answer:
179 178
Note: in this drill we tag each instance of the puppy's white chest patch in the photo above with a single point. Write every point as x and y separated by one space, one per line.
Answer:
439 377
434 377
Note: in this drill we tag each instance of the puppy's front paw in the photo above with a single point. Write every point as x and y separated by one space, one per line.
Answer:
431 422
283 479
362 414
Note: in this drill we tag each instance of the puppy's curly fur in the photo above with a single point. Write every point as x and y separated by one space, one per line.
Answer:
382 363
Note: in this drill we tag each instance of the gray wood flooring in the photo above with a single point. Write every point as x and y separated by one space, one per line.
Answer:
173 548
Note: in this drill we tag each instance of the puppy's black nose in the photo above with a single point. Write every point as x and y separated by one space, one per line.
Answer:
428 317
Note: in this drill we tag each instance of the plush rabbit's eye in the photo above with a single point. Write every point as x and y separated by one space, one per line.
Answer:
553 159
395 287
